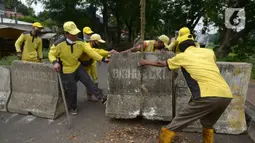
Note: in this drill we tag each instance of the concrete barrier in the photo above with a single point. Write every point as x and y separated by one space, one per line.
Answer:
136 91
232 121
35 90
157 95
5 87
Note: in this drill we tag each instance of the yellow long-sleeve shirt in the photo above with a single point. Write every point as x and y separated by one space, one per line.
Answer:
69 54
86 58
32 47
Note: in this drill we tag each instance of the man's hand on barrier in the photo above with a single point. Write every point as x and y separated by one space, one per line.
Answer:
40 60
113 52
143 62
106 60
126 51
19 55
57 67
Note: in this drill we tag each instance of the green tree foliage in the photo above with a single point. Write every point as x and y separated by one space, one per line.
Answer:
162 17
20 7
30 19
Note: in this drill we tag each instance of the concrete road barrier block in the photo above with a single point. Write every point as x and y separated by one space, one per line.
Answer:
132 95
35 90
232 121
157 107
237 75
5 87
123 106
124 77
157 89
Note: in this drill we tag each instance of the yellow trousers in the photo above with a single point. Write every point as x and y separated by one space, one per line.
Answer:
92 71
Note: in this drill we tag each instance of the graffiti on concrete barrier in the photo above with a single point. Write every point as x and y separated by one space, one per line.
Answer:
126 73
154 73
35 76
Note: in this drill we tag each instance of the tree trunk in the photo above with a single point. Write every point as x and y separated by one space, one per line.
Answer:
130 30
105 19
225 47
118 28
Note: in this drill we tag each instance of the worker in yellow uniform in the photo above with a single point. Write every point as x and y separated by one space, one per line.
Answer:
210 93
29 44
151 45
87 32
174 43
65 54
89 63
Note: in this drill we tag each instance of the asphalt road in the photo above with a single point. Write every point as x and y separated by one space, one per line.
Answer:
90 126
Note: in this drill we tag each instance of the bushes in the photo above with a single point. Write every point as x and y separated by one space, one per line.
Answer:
8 60
233 58
45 53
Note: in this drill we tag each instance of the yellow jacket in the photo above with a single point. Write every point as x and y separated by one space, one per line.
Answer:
203 76
68 55
88 60
32 48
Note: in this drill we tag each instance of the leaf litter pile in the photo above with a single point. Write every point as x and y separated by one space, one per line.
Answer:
138 134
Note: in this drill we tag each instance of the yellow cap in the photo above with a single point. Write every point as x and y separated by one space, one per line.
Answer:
185 38
87 30
164 39
96 37
181 39
37 24
71 28
183 31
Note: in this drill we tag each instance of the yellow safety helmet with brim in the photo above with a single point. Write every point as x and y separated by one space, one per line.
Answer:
183 31
181 39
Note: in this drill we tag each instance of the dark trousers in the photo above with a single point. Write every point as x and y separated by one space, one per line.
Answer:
70 86
208 110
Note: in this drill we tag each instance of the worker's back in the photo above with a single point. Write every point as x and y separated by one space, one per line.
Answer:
202 73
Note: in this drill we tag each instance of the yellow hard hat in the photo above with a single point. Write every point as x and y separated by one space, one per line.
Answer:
164 39
96 37
37 24
181 39
183 31
71 28
87 30
185 38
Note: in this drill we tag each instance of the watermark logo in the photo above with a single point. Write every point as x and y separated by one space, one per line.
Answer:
235 18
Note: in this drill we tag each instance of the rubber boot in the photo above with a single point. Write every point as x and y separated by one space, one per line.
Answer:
166 136
90 95
208 135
